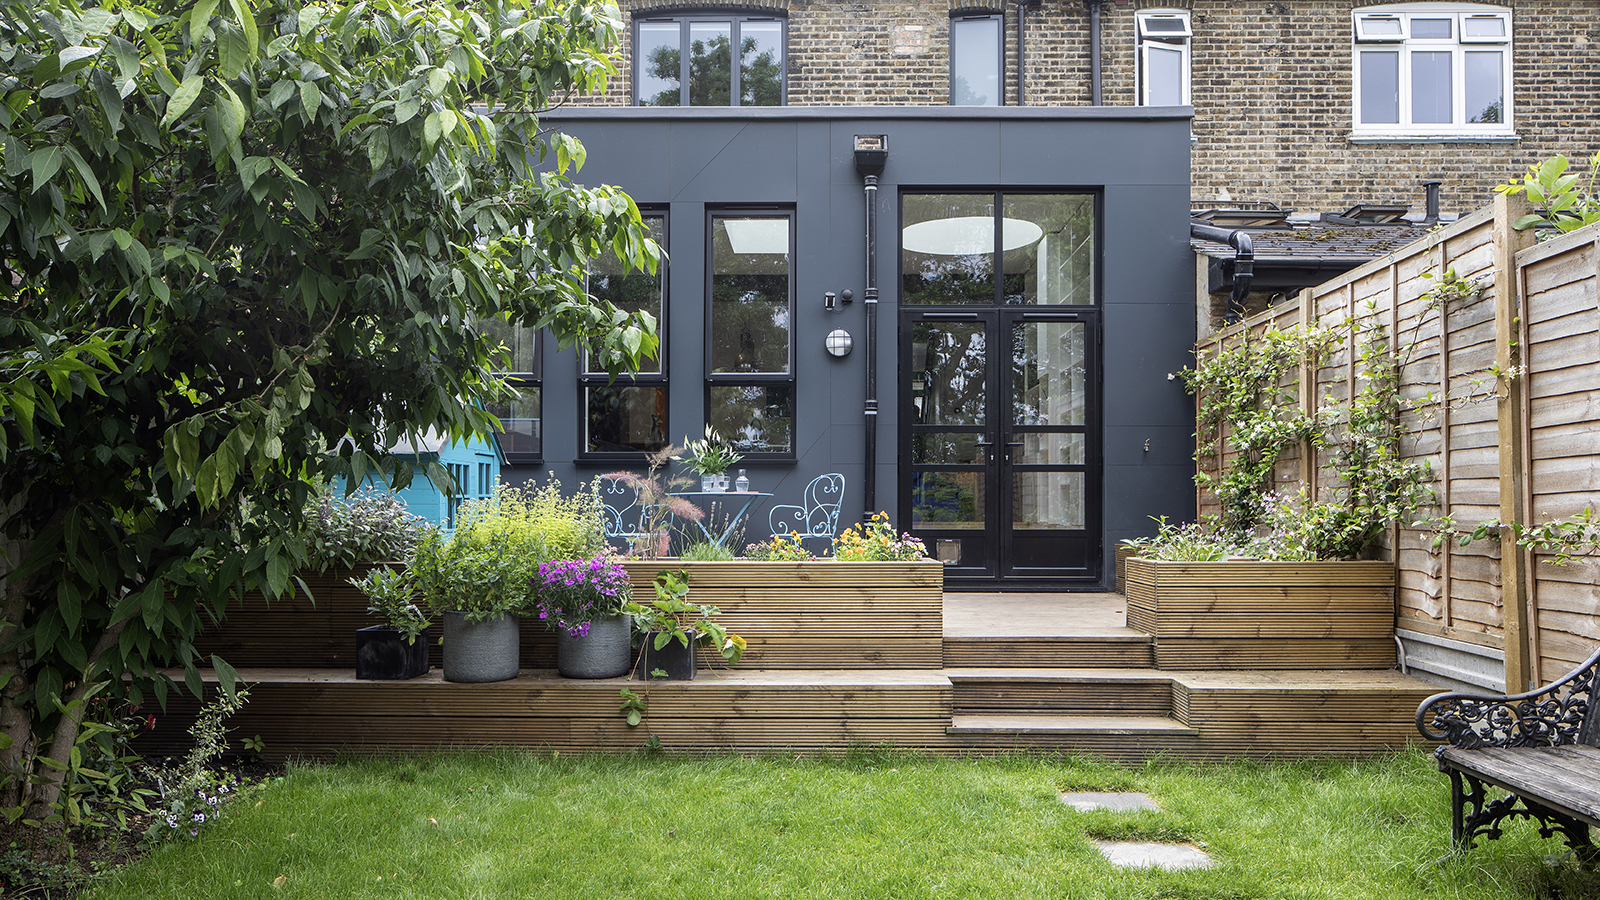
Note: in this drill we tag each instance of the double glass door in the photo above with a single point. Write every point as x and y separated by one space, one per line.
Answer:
1000 441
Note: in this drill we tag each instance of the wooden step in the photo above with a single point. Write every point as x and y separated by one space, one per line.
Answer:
1116 692
1129 651
1067 726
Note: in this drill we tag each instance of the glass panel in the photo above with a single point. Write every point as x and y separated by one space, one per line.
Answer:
710 63
946 448
1430 88
947 500
1055 267
1049 450
948 367
523 344
1047 500
750 295
1048 373
1483 27
520 419
625 418
1485 95
630 291
975 61
755 418
1163 73
761 63
947 249
659 54
1380 26
1173 25
1432 29
1380 87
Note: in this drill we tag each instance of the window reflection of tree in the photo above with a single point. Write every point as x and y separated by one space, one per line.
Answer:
711 73
754 418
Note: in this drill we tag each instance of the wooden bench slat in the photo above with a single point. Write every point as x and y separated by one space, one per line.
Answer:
1561 778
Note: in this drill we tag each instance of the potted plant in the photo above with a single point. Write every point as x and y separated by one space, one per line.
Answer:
582 599
397 650
674 627
710 458
482 577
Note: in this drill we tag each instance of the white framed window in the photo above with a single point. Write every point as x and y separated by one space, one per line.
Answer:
1432 70
1163 57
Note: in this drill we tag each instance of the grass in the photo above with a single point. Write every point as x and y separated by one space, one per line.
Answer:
873 824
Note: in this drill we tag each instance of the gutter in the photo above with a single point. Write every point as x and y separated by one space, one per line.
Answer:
1244 257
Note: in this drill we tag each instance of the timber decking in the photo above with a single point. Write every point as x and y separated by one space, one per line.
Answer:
1058 673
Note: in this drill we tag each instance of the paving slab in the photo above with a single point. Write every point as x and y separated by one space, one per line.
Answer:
1118 801
1143 855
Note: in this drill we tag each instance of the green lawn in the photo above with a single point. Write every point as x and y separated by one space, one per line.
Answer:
871 825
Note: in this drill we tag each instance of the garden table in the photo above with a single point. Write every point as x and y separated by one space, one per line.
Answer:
743 500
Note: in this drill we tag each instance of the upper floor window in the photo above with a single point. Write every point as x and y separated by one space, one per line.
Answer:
977 60
689 60
1163 58
1432 69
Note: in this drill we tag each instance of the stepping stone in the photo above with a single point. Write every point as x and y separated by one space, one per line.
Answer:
1117 802
1141 855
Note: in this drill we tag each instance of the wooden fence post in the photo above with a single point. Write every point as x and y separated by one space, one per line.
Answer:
1515 587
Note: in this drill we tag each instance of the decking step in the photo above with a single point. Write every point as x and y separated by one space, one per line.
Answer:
1068 726
1093 692
1131 650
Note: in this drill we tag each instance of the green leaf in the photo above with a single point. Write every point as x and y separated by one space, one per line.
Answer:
232 53
310 99
227 677
183 98
306 200
282 90
46 163
85 173
200 18
72 54
69 601
247 22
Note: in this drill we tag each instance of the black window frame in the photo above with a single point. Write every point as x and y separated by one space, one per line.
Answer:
521 381
735 18
588 379
971 15
754 379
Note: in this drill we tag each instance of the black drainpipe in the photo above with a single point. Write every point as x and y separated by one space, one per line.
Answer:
1243 260
872 152
1094 50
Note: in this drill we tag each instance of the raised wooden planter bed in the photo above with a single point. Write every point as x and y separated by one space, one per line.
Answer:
820 615
1248 614
795 615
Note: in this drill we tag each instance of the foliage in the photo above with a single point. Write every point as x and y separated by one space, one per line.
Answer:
876 541
659 507
1247 416
368 526
192 795
706 551
248 248
489 565
672 617
1566 201
633 707
710 455
392 595
572 593
787 547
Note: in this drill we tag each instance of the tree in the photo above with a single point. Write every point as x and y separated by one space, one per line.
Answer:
245 249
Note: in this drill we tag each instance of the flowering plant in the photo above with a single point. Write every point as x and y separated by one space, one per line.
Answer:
572 593
877 541
779 548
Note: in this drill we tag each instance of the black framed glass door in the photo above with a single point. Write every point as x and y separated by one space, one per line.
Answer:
1000 467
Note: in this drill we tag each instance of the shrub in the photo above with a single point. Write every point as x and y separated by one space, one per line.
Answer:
366 527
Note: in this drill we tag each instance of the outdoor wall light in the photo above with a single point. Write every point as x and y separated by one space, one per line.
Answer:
839 342
831 301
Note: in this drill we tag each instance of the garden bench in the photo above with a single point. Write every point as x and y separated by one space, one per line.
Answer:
1542 746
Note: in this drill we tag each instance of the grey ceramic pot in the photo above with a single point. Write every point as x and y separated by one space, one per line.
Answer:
605 652
481 651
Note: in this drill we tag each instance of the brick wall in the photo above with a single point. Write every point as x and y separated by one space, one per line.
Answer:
1271 87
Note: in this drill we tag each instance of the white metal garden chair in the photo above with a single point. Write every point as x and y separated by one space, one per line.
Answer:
818 517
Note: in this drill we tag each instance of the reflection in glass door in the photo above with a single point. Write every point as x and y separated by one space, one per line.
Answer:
999 442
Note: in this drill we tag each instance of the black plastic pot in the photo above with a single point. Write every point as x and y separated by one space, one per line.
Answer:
382 654
675 659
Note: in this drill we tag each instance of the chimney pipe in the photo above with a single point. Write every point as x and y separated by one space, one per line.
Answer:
1432 189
